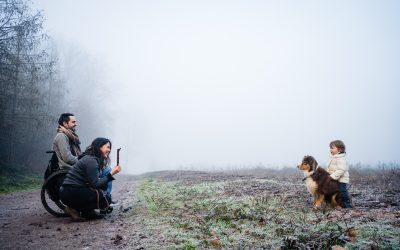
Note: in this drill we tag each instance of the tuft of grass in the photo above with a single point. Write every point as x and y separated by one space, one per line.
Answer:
13 179
11 184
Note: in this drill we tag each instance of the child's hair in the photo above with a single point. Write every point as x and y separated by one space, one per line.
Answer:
339 144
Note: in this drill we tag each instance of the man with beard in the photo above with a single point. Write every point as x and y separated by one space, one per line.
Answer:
66 142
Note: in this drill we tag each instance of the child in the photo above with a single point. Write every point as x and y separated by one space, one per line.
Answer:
337 168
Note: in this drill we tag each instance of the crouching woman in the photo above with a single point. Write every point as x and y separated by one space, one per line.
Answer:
83 189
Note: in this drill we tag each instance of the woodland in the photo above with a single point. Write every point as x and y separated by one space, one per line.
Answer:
38 82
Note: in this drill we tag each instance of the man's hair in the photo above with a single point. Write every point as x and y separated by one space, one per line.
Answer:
64 118
339 144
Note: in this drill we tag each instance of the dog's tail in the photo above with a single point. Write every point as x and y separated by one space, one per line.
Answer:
336 200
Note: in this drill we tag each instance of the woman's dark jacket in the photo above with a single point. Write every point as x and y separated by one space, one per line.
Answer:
85 173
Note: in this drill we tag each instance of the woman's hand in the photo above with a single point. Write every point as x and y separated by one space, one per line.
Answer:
115 170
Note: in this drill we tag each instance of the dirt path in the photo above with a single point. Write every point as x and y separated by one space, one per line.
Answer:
25 224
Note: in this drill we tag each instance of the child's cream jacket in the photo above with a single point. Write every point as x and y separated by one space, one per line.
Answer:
338 169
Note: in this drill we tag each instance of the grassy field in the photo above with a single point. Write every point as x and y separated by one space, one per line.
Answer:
271 210
257 209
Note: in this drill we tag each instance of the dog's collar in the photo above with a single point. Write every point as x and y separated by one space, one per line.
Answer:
311 173
308 176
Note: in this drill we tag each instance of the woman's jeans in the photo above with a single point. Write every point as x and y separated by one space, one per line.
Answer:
105 172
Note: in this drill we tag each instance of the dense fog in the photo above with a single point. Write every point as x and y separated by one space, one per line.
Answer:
231 84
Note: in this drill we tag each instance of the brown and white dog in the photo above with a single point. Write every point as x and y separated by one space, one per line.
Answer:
319 183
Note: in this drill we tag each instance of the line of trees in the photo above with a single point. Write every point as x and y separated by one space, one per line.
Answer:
33 88
30 90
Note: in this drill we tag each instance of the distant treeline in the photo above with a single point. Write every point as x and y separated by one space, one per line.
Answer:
33 91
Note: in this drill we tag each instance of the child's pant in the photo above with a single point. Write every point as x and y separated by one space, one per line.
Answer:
345 195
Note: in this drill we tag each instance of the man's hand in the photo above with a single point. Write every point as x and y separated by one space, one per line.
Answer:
115 170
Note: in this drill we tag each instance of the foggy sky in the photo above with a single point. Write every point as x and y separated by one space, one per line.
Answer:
226 84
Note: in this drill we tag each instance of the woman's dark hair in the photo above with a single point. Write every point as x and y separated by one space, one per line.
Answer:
339 144
94 150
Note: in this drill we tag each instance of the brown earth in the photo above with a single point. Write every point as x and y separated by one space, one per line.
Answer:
25 224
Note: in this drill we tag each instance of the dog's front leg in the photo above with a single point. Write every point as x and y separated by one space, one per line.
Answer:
319 200
315 198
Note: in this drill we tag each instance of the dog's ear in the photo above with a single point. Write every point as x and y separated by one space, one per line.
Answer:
311 161
308 160
314 164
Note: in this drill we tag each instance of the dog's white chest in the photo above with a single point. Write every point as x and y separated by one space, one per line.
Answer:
311 185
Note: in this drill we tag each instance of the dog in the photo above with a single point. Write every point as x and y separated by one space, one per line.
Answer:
319 183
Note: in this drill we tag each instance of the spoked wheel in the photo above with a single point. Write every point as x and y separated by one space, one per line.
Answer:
50 194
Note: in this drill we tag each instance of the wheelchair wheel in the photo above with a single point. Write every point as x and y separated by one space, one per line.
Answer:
50 194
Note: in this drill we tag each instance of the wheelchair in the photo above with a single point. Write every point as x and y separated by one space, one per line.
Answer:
53 179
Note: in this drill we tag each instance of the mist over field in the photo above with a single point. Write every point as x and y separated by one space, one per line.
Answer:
231 84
